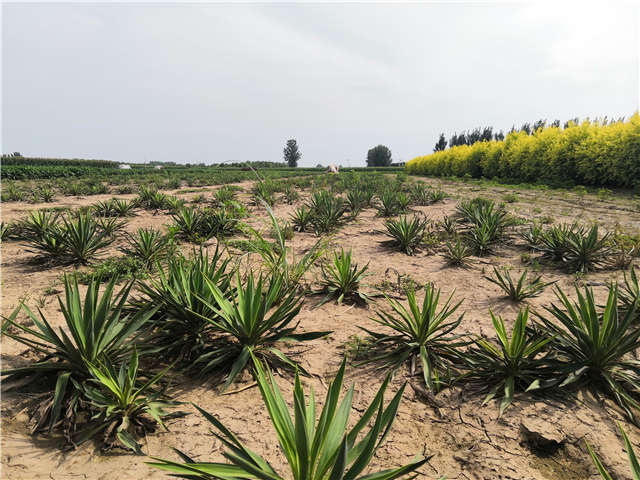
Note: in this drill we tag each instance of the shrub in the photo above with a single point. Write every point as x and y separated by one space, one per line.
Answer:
301 218
587 153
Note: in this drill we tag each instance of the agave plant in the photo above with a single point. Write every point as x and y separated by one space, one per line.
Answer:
514 364
224 195
219 222
325 449
407 235
341 279
484 215
356 201
449 225
188 224
437 196
122 404
280 259
104 208
6 230
457 254
586 252
392 203
96 331
110 225
83 237
629 294
532 236
418 335
123 208
592 347
328 211
291 195
420 194
39 223
182 299
250 324
301 218
553 242
521 290
45 194
631 455
148 245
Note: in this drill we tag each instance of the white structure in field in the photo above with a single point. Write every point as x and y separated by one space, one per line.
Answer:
124 166
333 168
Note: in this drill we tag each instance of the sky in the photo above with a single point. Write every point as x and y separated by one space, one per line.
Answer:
206 82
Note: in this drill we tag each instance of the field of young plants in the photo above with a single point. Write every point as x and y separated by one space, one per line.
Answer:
307 326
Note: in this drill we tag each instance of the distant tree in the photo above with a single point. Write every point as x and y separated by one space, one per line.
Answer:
498 136
441 144
291 153
379 156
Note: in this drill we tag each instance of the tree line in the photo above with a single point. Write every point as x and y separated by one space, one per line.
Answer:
486 134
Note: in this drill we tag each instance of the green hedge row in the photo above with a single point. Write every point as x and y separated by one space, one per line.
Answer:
589 153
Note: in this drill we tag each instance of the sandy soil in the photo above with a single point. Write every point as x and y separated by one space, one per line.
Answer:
467 440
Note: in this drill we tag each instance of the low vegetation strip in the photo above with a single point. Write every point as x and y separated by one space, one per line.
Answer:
595 153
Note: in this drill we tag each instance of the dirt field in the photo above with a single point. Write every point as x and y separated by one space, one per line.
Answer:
466 439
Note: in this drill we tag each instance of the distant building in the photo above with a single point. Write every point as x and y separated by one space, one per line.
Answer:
124 166
333 168
158 167
398 164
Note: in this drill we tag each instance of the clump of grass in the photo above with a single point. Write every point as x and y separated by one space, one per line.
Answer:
521 290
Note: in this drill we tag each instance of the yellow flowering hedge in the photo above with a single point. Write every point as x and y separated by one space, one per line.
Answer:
589 153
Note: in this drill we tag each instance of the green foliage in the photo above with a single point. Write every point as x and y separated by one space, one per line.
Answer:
182 298
122 405
83 237
578 249
314 450
407 235
249 322
149 246
631 454
96 331
589 153
629 293
301 218
419 335
280 260
392 202
327 211
457 254
341 278
379 156
120 268
592 347
514 364
521 290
